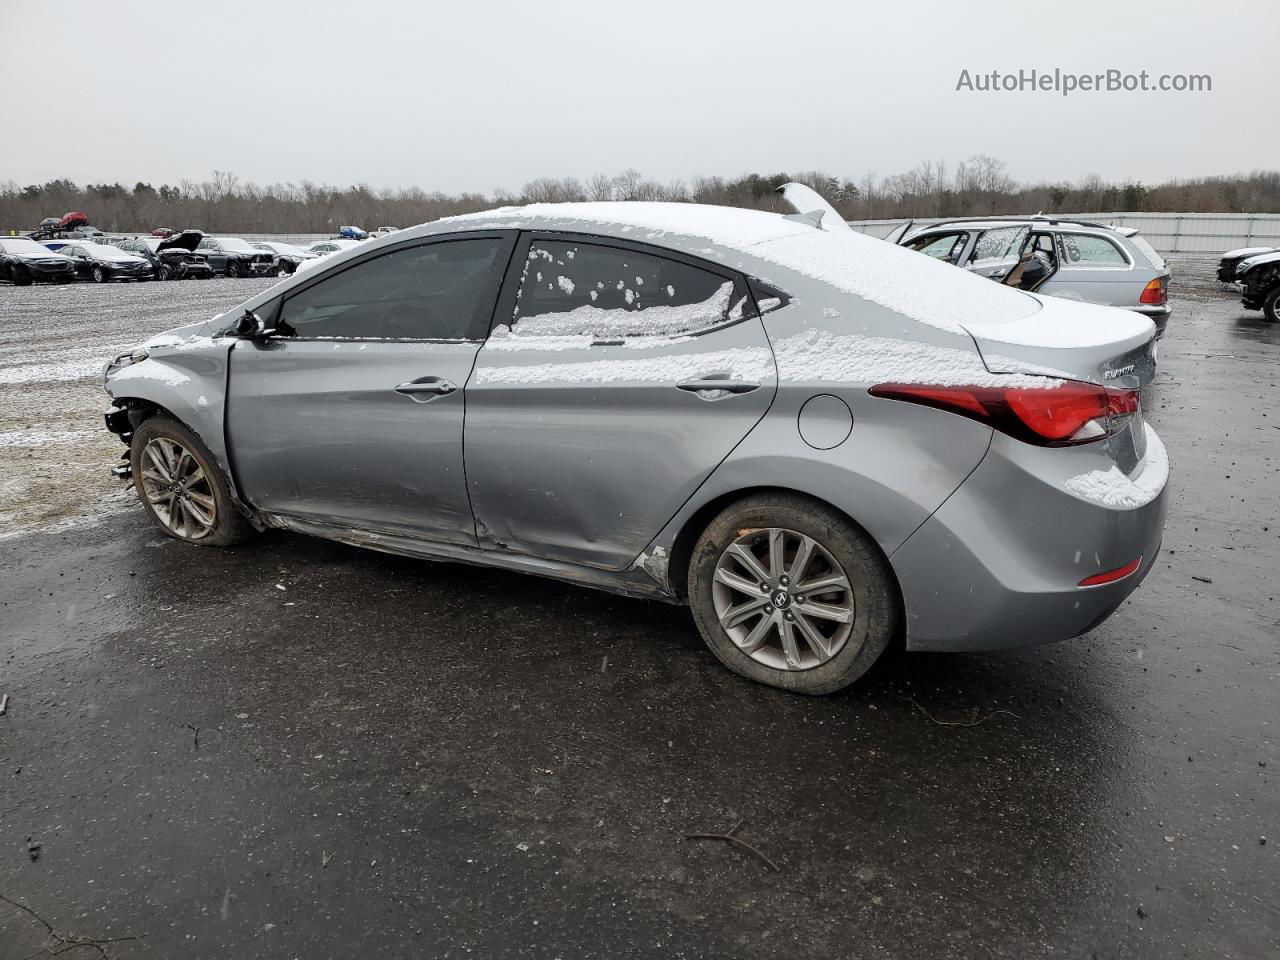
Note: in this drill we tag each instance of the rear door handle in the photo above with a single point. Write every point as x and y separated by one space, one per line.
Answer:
426 388
724 386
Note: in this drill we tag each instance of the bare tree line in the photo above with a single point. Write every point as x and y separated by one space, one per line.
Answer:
979 185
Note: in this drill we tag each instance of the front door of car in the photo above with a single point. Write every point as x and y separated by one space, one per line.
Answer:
83 265
352 412
213 252
621 377
997 251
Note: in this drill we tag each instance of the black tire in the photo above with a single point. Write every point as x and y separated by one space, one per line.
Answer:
21 277
229 525
99 275
234 269
165 272
872 590
1271 305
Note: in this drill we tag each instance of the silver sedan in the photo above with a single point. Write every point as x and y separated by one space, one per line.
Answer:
821 443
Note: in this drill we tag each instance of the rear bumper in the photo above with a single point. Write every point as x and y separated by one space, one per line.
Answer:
998 565
1158 315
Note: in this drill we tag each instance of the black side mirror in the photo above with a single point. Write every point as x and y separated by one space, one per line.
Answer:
251 327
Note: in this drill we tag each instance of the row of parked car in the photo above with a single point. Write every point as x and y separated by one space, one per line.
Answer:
1255 272
188 255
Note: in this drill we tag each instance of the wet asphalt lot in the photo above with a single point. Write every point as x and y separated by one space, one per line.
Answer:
300 749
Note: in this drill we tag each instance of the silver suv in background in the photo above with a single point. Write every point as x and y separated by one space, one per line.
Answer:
1071 259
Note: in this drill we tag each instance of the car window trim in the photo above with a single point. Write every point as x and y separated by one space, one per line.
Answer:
312 281
505 306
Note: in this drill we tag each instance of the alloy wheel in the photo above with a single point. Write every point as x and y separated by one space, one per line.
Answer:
177 489
783 599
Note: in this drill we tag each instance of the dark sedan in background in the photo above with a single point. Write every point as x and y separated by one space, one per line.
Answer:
100 262
24 261
233 257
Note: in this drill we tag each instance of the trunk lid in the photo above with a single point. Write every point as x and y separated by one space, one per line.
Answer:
1078 341
1066 338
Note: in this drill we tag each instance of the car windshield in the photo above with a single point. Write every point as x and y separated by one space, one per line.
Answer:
236 244
27 247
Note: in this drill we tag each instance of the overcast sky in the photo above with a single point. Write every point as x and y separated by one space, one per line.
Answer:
481 94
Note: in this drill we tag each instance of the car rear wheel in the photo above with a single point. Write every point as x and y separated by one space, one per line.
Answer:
787 592
99 275
166 272
181 487
1271 305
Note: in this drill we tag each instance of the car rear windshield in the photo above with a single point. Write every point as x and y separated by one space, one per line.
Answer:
236 244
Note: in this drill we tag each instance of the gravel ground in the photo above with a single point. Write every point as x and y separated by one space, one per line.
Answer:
55 454
301 749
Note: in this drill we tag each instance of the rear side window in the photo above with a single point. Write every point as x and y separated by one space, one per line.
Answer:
436 291
587 289
1085 250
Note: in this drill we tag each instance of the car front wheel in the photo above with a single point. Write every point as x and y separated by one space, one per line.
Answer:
181 487
234 269
787 592
99 275
1271 305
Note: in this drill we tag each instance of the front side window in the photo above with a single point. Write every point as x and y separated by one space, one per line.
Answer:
946 247
586 289
998 244
435 291
1084 250
207 244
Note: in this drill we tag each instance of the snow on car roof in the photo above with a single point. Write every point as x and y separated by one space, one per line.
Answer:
902 280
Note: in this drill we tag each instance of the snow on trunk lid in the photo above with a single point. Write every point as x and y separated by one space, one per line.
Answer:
1077 341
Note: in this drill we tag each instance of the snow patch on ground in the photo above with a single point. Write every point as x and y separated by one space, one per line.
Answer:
43 438
1111 488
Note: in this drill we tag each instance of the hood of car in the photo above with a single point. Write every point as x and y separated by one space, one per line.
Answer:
1247 264
186 240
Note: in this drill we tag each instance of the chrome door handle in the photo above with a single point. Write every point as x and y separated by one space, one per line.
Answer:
425 388
725 386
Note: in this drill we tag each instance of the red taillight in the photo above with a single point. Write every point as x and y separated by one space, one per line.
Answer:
1155 292
1069 413
1111 576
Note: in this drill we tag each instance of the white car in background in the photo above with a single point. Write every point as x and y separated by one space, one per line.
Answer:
288 257
322 248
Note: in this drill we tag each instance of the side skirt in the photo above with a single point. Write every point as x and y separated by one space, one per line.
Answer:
633 582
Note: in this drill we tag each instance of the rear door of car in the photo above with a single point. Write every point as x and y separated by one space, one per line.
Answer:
618 376
352 413
1096 269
